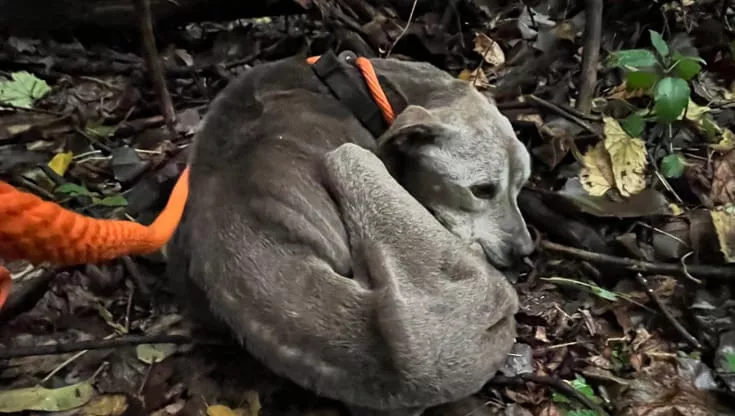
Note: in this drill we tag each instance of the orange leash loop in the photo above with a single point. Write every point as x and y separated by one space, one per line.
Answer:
41 231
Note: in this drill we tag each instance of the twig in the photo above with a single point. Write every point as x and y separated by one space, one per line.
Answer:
101 344
405 28
590 54
667 313
553 382
155 66
719 272
564 113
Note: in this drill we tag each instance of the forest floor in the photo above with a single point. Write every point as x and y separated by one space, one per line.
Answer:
627 301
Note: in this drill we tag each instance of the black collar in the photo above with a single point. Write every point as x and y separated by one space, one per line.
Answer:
334 72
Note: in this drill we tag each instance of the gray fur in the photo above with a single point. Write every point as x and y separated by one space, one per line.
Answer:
319 250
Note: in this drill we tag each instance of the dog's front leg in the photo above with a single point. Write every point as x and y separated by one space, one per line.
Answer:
444 314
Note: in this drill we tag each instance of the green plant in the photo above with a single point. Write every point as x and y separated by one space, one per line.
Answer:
662 73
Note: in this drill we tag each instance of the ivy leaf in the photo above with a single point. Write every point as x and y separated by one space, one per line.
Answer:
641 80
672 166
633 125
686 67
659 43
635 58
671 96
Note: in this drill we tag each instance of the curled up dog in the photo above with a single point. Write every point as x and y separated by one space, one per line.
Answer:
362 268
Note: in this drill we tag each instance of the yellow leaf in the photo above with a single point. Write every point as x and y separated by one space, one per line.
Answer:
628 158
107 405
724 221
60 162
220 410
726 143
596 174
475 77
695 111
675 209
489 50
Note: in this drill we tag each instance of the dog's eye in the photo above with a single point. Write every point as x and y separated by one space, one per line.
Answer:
484 191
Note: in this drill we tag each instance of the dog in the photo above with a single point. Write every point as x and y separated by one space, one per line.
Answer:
363 269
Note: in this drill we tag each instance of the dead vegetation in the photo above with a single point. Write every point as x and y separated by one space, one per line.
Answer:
627 303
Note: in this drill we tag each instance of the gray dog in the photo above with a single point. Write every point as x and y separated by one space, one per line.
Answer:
357 267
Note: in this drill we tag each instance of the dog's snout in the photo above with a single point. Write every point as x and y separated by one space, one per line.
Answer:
524 246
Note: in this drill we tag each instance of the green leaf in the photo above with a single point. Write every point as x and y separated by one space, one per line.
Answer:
641 80
671 96
583 412
73 189
633 125
635 58
98 130
112 201
580 384
687 67
730 356
22 89
672 166
43 399
659 43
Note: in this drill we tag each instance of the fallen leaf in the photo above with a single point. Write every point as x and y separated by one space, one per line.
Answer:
22 89
106 405
60 162
153 353
723 218
627 156
43 399
490 50
475 77
220 410
723 180
596 174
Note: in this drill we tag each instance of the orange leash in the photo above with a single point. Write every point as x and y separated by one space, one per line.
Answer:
41 231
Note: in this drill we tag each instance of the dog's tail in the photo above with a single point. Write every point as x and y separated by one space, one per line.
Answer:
41 231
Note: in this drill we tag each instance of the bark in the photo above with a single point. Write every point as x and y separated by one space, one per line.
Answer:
34 16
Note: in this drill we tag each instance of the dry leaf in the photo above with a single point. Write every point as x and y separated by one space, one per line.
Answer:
220 410
695 111
475 77
723 181
106 405
489 50
596 174
723 219
628 157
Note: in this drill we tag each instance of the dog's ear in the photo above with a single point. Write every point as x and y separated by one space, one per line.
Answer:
413 128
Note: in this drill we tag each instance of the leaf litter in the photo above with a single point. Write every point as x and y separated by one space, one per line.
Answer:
646 177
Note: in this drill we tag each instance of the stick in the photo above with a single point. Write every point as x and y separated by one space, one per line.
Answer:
721 272
590 54
667 313
101 344
155 66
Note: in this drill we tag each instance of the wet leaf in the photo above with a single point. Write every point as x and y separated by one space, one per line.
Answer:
22 90
671 96
60 162
627 156
633 58
43 399
672 166
659 43
596 174
723 218
489 50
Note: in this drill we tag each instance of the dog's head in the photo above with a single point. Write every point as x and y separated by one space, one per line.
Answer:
465 164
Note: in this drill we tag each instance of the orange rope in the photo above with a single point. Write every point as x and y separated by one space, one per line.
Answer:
41 231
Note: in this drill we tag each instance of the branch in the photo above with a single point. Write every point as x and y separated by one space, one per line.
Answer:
590 54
